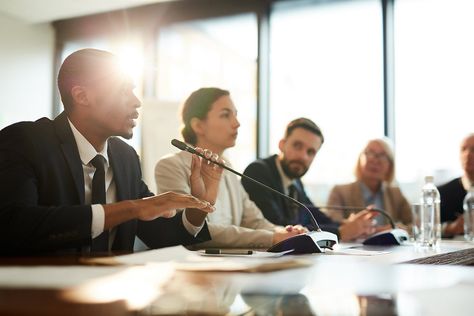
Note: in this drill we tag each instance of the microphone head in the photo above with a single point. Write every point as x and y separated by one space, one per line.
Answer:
179 144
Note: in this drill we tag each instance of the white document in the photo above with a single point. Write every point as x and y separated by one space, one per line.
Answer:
229 264
355 252
183 259
181 254
176 253
254 254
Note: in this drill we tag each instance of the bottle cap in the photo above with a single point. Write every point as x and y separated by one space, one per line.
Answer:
429 179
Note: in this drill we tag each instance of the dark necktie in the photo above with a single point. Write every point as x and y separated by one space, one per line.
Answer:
101 242
293 207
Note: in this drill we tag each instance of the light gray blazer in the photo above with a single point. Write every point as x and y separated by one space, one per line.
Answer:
351 195
241 226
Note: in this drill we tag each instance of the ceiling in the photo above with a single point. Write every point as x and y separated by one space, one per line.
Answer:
39 11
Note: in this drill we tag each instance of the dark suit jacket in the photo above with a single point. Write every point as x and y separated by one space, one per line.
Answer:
452 197
42 193
275 207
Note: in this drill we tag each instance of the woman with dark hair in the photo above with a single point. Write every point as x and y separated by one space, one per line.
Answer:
210 121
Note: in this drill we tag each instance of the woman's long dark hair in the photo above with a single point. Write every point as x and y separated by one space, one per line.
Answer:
197 105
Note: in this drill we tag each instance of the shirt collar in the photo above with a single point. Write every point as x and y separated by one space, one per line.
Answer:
367 193
466 183
286 181
87 152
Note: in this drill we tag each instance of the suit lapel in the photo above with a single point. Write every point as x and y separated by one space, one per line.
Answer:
357 196
120 172
274 171
236 209
278 183
301 193
71 153
124 237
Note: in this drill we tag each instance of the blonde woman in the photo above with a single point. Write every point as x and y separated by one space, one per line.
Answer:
374 172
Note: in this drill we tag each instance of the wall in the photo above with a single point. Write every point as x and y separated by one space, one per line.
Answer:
26 70
160 124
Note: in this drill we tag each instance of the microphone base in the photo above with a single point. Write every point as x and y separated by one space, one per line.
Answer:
311 242
391 237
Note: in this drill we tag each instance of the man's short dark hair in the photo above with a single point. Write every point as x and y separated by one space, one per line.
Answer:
306 124
77 68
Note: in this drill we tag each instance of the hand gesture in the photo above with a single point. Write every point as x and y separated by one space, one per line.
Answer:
455 227
165 205
358 225
282 233
205 176
298 229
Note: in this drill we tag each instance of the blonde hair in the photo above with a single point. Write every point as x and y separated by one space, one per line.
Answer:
390 155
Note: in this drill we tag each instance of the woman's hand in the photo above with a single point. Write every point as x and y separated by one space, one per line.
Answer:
205 176
358 225
455 227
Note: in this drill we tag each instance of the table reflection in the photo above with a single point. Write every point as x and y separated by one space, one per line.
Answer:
202 293
227 294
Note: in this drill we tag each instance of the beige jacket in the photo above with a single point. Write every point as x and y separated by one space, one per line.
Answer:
240 226
351 195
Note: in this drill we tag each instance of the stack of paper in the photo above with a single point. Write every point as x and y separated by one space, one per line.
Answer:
183 259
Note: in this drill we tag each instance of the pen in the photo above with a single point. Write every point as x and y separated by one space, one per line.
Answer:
228 252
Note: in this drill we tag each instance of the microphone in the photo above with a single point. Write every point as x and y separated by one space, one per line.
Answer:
311 242
359 208
192 150
394 236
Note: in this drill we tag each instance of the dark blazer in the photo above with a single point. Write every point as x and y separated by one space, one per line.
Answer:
275 207
452 197
42 193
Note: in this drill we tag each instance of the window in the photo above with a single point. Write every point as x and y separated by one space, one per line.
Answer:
219 52
326 64
434 98
130 53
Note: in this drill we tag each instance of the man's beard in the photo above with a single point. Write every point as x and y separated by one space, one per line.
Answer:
285 165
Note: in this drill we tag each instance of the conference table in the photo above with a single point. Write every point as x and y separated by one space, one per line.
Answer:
353 280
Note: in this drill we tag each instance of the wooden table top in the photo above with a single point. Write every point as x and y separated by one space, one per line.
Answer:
333 284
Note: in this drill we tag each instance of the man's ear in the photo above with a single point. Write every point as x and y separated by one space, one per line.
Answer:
196 125
79 96
281 144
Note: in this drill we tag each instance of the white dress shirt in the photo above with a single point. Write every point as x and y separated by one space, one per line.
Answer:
87 152
466 183
286 181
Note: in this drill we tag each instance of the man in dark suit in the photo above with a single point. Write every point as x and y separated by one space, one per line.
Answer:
303 139
70 185
453 192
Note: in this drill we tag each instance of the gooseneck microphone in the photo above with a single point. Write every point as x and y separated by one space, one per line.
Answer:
183 146
318 240
391 237
312 242
359 208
